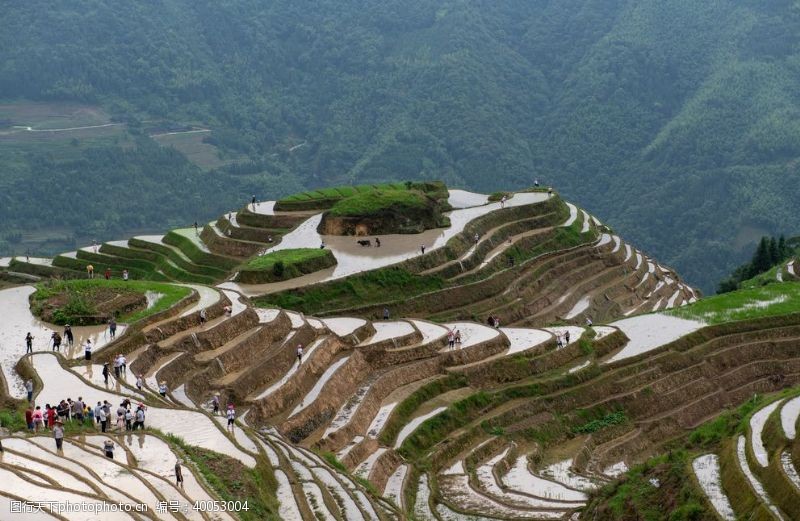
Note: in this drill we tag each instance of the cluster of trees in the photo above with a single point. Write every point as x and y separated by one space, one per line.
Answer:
769 253
675 121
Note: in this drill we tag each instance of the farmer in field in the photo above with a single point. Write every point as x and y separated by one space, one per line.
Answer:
68 335
231 414
178 474
112 329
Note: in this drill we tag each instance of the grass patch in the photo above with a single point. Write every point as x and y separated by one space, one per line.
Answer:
13 419
78 295
287 257
744 304
405 409
232 481
285 264
614 418
376 202
381 285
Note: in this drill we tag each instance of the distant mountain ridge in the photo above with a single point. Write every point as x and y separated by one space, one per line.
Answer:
675 122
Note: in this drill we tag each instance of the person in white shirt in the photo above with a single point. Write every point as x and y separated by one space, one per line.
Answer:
231 414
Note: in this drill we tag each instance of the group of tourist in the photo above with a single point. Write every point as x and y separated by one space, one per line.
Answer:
454 338
68 338
106 274
78 412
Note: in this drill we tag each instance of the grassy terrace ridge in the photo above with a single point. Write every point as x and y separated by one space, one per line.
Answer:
744 304
402 281
285 264
325 198
78 295
635 496
377 201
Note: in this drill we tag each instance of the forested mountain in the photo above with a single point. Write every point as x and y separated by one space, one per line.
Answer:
674 120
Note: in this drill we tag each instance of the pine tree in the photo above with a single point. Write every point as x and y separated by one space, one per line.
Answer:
774 253
761 259
782 247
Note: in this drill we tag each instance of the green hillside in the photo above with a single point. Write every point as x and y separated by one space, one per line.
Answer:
674 121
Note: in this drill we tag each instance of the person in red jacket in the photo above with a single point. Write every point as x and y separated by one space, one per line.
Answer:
29 418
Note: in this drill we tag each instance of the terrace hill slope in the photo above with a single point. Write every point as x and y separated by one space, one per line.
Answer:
520 362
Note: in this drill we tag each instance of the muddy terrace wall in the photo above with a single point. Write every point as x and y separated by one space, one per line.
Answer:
247 233
228 246
371 403
533 362
135 337
344 382
279 359
257 220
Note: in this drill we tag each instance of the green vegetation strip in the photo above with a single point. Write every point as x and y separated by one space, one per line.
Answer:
744 304
285 264
78 293
376 201
232 481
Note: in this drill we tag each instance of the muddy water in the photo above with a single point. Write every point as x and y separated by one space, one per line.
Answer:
465 199
23 489
343 326
472 333
522 339
18 320
648 332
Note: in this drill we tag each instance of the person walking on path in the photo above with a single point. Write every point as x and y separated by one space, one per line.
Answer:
29 418
299 354
38 419
458 338
386 313
68 335
103 419
116 367
125 275
87 349
50 416
90 271
112 328
108 273
128 419
203 317
566 336
56 341
123 364
451 339
139 418
29 343
178 474
253 202
422 249
377 242
503 202
106 372
58 435
215 404
108 449
231 414
121 418
29 389
162 389
139 381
